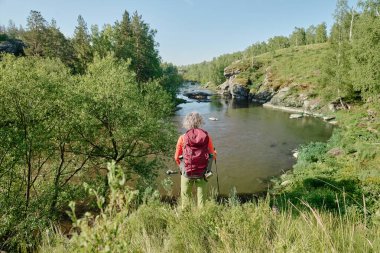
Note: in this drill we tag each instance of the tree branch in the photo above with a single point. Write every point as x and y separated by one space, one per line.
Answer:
40 168
76 171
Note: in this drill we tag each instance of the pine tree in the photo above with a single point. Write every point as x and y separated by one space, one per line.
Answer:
56 45
35 35
123 37
145 58
82 47
102 41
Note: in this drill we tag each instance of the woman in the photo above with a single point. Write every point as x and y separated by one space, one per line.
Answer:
194 154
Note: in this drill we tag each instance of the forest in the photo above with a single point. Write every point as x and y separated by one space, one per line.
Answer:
69 106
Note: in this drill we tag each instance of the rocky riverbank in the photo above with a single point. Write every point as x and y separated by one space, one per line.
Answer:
291 97
299 113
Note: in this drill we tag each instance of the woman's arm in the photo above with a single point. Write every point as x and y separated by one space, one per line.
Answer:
211 148
178 150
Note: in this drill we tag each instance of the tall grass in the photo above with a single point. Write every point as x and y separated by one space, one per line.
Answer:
124 226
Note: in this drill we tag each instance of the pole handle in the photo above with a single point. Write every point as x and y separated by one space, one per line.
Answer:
170 172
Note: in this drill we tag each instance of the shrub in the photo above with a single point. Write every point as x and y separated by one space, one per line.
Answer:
312 153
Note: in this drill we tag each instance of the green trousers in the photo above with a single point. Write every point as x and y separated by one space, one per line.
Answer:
186 191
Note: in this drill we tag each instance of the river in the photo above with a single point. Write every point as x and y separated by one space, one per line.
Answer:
253 143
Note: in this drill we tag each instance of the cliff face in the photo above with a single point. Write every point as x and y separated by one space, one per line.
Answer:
287 78
234 87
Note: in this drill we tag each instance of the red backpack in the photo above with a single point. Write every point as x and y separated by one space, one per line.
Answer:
195 153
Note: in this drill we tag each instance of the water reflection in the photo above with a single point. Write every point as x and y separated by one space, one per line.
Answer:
253 143
216 104
236 104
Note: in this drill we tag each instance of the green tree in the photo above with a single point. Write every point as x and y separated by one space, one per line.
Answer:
35 36
371 7
278 42
82 46
102 41
337 66
56 45
212 71
171 80
256 49
12 31
366 51
29 89
32 91
122 122
145 59
321 33
298 37
46 40
55 126
310 35
123 37
3 35
341 29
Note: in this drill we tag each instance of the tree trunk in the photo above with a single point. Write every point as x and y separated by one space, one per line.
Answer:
54 199
28 156
352 23
28 185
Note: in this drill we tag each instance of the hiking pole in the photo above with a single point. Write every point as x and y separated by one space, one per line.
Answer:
217 176
170 172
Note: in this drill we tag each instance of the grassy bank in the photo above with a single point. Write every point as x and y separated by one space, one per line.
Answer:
347 166
296 65
125 226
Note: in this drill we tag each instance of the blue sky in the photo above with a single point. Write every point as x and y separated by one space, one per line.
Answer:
188 31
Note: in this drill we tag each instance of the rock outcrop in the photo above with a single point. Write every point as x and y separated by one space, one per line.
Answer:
200 96
262 97
271 91
290 95
12 46
230 72
233 87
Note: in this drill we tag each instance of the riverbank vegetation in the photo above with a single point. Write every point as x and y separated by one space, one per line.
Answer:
348 164
73 104
65 114
153 226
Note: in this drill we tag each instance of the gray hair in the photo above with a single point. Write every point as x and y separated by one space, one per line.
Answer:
193 120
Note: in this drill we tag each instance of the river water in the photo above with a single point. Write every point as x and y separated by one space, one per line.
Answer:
253 143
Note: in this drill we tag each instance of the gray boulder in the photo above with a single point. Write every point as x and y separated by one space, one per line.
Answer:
196 94
239 91
225 89
232 89
230 72
295 116
335 152
262 96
